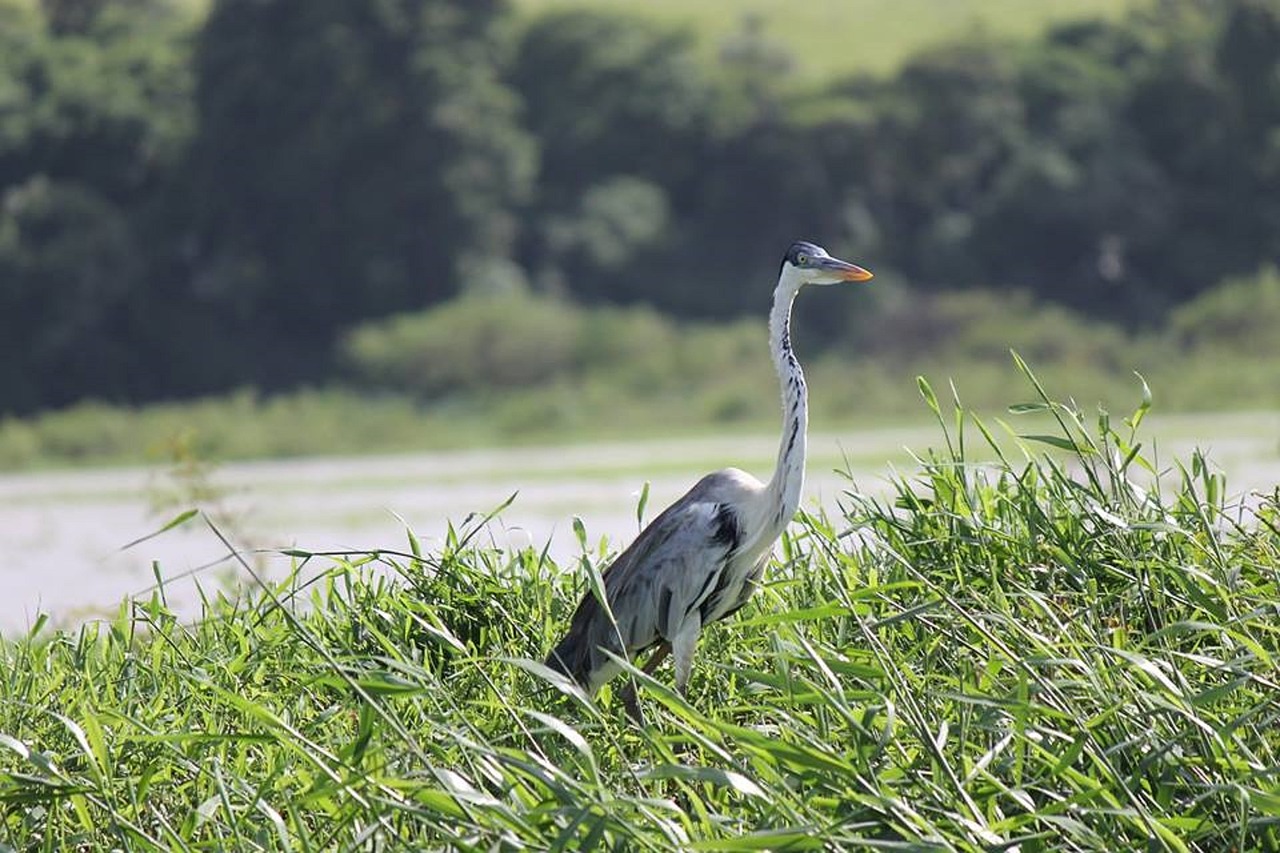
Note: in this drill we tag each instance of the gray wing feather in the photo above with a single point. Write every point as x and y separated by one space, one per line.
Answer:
652 587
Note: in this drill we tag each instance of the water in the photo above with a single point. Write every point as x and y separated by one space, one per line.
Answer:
63 533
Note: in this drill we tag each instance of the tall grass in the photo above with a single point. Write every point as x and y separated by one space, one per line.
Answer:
1047 640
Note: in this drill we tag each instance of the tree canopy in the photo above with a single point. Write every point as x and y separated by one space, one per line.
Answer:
191 204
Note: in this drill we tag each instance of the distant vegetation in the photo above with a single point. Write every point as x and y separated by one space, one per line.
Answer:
524 368
817 41
193 203
1021 654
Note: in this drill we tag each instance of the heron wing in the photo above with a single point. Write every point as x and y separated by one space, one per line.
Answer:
654 586
666 575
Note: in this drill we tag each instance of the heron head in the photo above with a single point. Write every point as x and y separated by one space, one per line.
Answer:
807 263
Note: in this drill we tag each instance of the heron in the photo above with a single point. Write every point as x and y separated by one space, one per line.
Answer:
701 559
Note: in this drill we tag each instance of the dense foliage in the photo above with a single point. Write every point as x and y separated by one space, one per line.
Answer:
1007 651
518 368
190 204
351 159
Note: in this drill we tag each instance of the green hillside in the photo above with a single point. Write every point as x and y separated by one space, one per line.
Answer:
834 37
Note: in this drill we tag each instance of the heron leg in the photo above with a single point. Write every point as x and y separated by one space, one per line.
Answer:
629 698
682 645
659 655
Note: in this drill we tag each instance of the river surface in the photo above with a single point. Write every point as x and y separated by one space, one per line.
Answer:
64 534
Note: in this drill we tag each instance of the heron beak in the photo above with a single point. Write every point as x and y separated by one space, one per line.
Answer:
846 270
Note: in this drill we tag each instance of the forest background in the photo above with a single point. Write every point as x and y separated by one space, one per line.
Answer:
268 228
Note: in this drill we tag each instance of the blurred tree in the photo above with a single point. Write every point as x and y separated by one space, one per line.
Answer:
182 210
945 128
67 261
663 180
622 108
756 67
1175 103
778 165
1194 100
1116 167
614 224
1062 214
609 95
67 17
350 158
93 117
1248 58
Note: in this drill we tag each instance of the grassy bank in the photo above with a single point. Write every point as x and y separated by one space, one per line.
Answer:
847 394
526 369
741 400
1051 653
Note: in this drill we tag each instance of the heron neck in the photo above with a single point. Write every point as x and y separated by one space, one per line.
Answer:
788 476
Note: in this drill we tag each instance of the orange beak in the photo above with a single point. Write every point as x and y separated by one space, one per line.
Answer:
846 270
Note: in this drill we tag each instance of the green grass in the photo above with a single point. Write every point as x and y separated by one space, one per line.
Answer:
830 38
1038 651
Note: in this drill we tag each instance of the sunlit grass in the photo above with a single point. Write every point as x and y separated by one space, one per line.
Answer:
1029 651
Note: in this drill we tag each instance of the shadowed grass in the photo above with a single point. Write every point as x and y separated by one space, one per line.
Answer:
1065 651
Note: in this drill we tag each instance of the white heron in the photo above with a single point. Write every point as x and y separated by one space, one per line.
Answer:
701 558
